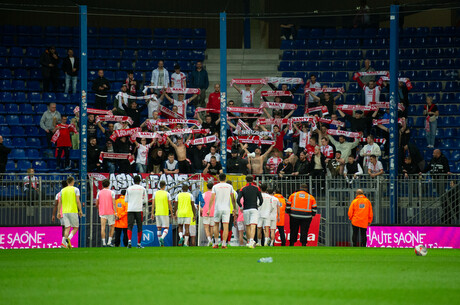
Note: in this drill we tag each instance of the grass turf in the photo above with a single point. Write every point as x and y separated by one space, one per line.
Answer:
233 276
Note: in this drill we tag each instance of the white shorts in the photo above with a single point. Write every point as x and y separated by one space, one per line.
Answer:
61 221
162 221
240 225
263 222
183 220
251 217
70 220
110 219
273 224
223 216
192 230
208 220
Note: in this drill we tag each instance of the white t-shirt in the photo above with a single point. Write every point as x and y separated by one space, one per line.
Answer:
97 196
207 158
303 139
372 95
266 209
181 106
178 79
375 168
121 100
316 86
136 196
247 98
223 191
142 151
152 106
276 204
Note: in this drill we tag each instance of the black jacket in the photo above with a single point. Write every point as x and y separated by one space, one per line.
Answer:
196 157
45 60
301 167
312 163
438 166
287 169
4 151
237 165
67 66
93 156
98 82
135 114
284 99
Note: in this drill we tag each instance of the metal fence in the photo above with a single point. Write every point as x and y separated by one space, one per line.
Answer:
422 200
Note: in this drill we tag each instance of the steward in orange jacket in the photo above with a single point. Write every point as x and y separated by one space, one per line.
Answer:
302 208
281 216
121 222
360 214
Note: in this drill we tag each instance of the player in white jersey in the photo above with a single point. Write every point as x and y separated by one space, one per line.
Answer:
274 216
136 197
61 220
265 212
222 193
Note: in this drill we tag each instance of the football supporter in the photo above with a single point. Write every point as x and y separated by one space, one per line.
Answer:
161 207
312 83
214 103
344 146
213 167
326 149
160 77
49 120
142 153
375 168
121 220
208 218
302 207
105 203
31 185
178 78
63 142
302 165
134 112
252 198
136 197
360 214
326 100
131 84
247 94
222 194
199 79
365 79
101 87
371 91
170 166
273 162
69 209
180 103
256 160
181 153
371 148
184 204
352 170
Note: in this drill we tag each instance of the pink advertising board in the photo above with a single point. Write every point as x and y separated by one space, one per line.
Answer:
32 237
409 237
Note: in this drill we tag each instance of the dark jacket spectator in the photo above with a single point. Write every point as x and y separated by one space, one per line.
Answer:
438 165
101 87
68 67
237 165
49 61
134 112
93 156
4 151
199 79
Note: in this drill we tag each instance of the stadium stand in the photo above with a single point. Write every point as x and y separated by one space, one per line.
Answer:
112 49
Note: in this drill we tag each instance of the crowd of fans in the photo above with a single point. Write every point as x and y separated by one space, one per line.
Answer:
280 147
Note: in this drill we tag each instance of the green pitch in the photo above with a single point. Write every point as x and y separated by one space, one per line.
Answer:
233 276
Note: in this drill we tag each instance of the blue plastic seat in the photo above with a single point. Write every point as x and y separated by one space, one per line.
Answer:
159 44
339 44
17 154
311 65
353 99
297 66
144 32
186 44
352 87
13 120
353 65
6 97
11 108
143 65
26 109
172 44
434 87
39 166
23 166
10 166
126 65
287 45
17 131
199 44
312 44
451 87
146 43
34 143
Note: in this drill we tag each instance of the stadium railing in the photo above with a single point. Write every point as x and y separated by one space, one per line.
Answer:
422 199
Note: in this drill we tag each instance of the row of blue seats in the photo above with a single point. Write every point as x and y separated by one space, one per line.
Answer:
103 31
108 53
107 43
379 65
443 121
441 133
305 33
39 167
44 154
374 43
35 74
371 54
111 64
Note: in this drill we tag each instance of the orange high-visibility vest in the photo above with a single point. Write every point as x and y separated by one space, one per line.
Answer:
282 210
303 205
122 212
360 212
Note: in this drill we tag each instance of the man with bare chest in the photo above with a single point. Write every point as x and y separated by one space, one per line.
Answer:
257 160
181 153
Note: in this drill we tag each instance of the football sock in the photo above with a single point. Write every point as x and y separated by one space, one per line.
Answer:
181 234
186 240
110 240
103 242
165 232
251 241
267 241
64 241
71 235
159 234
209 239
224 243
139 237
130 234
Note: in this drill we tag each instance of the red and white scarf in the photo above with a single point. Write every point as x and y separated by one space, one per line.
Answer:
275 93
248 81
124 133
93 111
183 90
331 89
134 97
330 122
201 141
113 118
253 140
349 134
400 79
151 123
427 119
359 74
284 80
323 110
273 105
57 134
170 112
211 110
279 122
386 105
119 156
132 88
357 107
244 110
386 121
379 141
